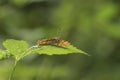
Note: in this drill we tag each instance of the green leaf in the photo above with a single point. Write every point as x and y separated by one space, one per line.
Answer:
4 54
56 50
16 47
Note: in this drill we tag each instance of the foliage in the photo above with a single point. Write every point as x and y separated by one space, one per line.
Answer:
4 54
19 48
50 50
16 48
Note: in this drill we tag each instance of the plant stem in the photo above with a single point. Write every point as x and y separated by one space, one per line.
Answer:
13 70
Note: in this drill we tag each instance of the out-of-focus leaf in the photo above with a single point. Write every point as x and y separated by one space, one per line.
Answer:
19 2
4 54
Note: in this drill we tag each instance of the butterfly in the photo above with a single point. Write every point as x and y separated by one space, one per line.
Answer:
53 41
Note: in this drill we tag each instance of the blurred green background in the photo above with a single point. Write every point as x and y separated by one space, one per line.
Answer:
90 25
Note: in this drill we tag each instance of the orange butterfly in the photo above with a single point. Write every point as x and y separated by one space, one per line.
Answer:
53 41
